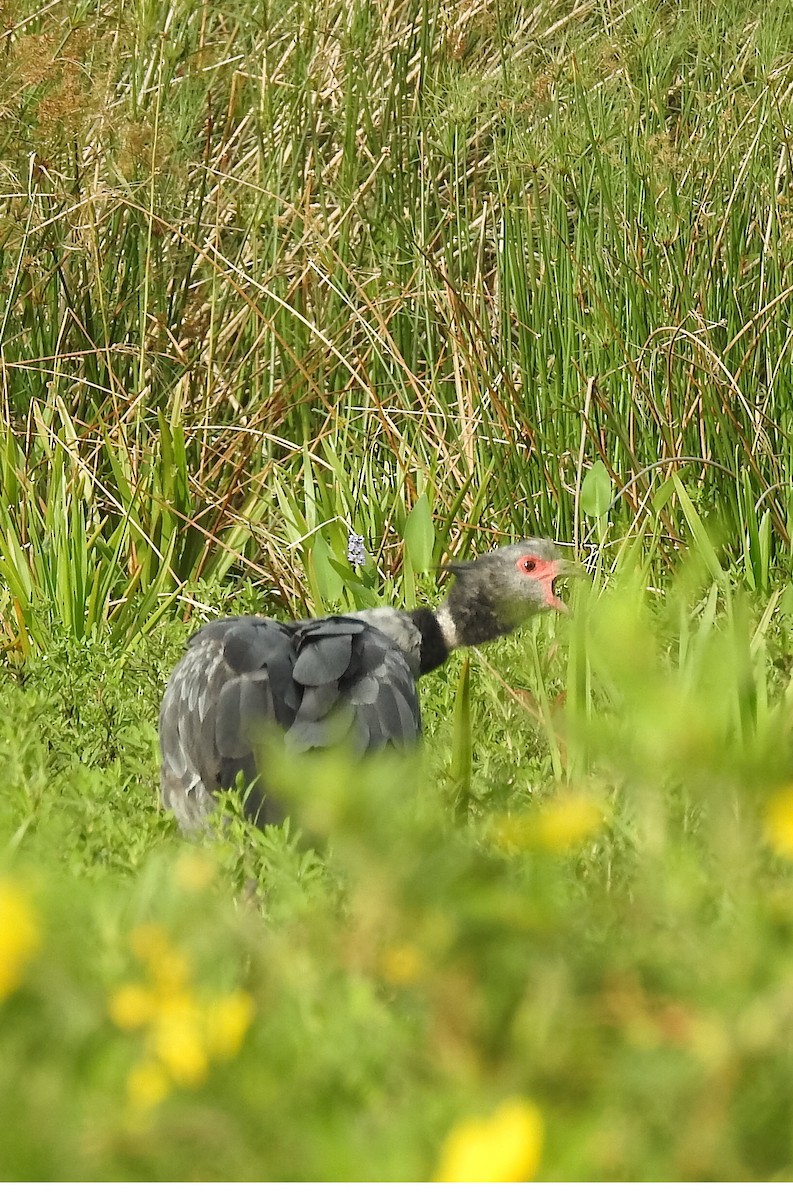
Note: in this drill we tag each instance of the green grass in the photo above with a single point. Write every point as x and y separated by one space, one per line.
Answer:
419 953
440 276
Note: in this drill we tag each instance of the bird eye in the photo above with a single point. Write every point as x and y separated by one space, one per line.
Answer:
527 565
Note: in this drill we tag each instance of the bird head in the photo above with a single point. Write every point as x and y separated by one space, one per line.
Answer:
497 592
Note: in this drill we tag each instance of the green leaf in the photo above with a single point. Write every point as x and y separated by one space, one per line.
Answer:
329 584
662 494
596 491
699 533
420 535
462 746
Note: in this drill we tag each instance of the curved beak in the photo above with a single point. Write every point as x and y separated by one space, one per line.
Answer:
563 567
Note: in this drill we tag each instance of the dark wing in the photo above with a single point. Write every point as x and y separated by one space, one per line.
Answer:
322 681
356 683
234 679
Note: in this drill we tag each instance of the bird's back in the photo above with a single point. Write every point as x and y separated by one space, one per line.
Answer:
319 680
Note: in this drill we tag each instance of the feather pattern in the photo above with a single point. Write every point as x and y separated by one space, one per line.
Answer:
320 680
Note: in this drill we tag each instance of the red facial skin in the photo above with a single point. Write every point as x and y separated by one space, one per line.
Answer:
546 571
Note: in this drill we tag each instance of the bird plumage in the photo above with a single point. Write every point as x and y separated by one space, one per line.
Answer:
324 680
321 680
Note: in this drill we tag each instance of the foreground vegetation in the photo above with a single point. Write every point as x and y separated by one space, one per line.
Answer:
434 276
610 953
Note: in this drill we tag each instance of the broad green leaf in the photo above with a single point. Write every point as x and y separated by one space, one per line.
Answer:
420 535
596 491
328 582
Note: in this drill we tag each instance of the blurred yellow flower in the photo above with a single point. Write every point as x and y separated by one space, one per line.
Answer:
178 1043
504 1148
561 824
402 964
567 820
227 1022
147 1085
19 936
184 1031
779 822
194 871
132 1006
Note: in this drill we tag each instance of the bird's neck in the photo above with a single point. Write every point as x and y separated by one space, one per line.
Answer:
454 623
436 638
468 619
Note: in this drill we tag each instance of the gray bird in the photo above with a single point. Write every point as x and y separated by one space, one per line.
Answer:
329 678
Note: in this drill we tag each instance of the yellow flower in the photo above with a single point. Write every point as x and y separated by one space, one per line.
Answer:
402 964
559 825
147 1085
19 936
504 1148
177 1040
194 871
779 822
132 1006
566 821
183 1029
227 1022
181 1051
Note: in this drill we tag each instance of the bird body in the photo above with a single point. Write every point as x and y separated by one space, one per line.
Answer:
328 679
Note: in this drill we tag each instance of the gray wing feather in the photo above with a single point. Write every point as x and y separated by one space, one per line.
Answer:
189 771
218 697
384 699
244 705
318 701
388 715
364 691
322 660
309 735
321 680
